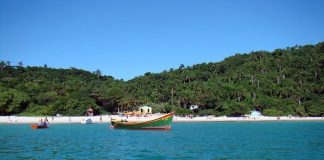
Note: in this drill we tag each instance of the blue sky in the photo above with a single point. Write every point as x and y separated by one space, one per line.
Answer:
128 38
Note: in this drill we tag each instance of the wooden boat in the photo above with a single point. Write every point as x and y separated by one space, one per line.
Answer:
37 126
160 123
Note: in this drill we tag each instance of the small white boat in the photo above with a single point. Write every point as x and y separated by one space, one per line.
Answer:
86 121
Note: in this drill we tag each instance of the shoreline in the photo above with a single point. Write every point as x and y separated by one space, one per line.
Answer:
107 118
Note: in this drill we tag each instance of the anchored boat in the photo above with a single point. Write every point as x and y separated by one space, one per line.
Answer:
160 123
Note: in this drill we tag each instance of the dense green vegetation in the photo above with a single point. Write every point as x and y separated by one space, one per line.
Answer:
282 82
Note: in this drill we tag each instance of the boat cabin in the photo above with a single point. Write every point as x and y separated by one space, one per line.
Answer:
145 110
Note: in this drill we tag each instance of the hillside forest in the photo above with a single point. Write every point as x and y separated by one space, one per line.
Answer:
286 81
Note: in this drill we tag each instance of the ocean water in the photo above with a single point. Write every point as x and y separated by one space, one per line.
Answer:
228 140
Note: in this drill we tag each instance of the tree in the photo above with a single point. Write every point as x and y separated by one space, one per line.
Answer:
13 102
233 108
98 72
181 66
2 65
20 64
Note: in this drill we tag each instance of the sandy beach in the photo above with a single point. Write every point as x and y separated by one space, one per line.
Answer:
107 118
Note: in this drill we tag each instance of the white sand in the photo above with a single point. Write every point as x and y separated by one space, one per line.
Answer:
107 118
245 119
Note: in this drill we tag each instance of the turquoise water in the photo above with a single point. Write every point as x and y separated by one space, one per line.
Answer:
231 140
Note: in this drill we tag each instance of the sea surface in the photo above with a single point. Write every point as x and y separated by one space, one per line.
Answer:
216 140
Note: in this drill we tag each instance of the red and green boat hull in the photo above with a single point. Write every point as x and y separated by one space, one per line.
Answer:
161 123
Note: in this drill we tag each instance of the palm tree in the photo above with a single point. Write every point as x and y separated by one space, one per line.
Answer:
2 65
20 64
181 66
98 72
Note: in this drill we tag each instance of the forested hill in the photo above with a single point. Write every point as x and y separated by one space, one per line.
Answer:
282 82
